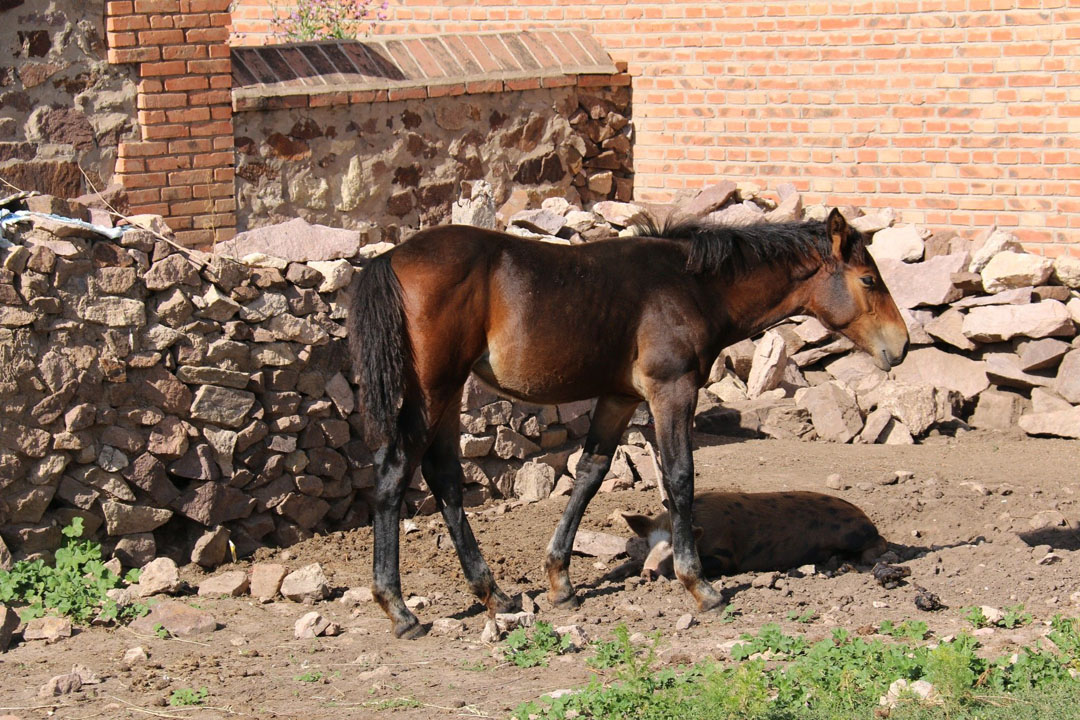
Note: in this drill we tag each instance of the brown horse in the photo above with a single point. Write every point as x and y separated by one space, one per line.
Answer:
621 320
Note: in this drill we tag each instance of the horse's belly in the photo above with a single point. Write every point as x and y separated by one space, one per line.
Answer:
540 383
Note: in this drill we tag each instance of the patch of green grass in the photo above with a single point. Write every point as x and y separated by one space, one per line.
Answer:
75 585
914 630
781 677
185 697
1014 616
806 616
311 676
530 649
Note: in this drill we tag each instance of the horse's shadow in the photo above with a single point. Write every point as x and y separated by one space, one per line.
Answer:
1058 538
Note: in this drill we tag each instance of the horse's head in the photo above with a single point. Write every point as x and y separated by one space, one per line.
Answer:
848 295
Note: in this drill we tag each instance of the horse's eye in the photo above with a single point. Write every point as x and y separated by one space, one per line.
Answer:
868 281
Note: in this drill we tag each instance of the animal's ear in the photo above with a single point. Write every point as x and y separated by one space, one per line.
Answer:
698 532
837 228
640 525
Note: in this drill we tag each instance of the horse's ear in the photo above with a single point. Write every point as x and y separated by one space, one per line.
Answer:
837 228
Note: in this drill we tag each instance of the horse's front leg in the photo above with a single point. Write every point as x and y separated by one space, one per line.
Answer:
673 406
609 420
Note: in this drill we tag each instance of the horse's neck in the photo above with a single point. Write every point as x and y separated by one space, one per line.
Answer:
762 297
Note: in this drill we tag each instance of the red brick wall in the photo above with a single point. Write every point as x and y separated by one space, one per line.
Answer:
958 113
182 165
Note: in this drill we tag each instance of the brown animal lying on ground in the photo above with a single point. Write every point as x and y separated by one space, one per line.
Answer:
739 532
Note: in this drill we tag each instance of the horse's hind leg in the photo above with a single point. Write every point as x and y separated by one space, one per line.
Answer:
393 471
442 473
609 420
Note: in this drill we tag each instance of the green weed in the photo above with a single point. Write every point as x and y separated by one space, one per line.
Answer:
526 649
187 696
75 585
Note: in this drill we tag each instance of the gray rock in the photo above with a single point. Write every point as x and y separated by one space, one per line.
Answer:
308 584
476 206
599 544
948 327
833 411
336 274
159 576
233 583
48 628
176 269
211 547
1061 423
875 425
177 619
997 410
1067 271
1003 369
925 283
903 242
9 621
266 579
1009 270
620 214
711 199
295 241
998 241
534 481
61 685
1041 354
197 375
112 311
311 625
135 550
123 519
768 365
931 366
510 444
540 221
998 323
222 406
1067 383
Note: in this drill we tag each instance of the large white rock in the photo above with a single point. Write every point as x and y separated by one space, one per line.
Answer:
998 323
1062 423
1067 384
767 369
1009 270
903 242
924 283
833 411
1067 271
998 241
931 366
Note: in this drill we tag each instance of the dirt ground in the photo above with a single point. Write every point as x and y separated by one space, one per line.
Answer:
972 523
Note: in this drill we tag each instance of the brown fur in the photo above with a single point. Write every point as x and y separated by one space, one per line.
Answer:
740 532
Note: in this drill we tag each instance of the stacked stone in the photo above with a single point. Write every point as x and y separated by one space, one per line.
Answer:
600 154
173 399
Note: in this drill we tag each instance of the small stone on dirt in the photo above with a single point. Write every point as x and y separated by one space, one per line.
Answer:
508 622
834 482
357 596
417 602
447 626
135 656
311 625
233 583
685 622
579 639
177 619
490 634
266 580
61 685
159 576
307 585
49 629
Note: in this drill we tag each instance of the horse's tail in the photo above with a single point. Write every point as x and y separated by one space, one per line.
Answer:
381 352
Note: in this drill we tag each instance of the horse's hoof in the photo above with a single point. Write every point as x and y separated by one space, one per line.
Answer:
710 601
566 602
502 604
410 630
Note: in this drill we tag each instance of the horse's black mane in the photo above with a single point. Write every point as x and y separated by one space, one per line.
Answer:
733 250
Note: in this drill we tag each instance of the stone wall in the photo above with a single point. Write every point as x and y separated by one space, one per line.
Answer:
401 164
62 105
178 399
